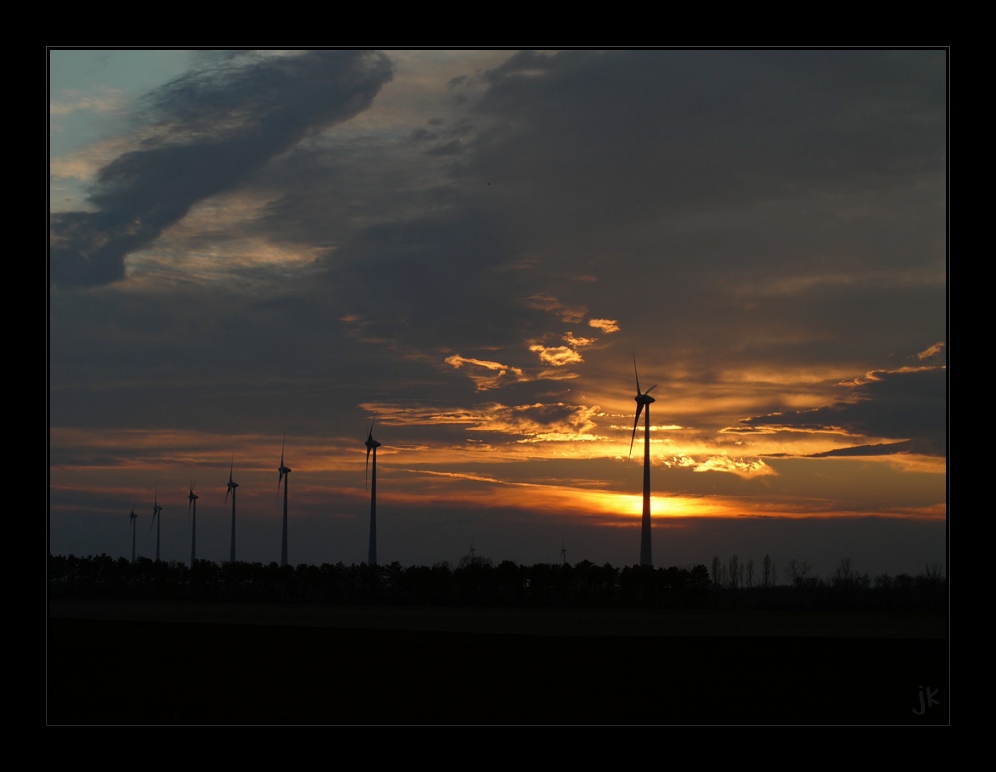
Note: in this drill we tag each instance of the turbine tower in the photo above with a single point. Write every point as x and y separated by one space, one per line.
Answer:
644 400
192 510
372 444
284 477
563 553
231 490
156 518
133 517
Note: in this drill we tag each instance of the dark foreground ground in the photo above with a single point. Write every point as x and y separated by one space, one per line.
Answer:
228 664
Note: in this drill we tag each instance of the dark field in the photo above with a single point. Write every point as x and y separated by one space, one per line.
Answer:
130 663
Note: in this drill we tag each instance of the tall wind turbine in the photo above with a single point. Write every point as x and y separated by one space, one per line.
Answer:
644 400
372 444
156 518
133 518
192 509
284 477
231 490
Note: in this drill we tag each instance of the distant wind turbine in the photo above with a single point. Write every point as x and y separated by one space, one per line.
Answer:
644 400
231 490
284 477
133 517
192 510
372 445
563 553
156 518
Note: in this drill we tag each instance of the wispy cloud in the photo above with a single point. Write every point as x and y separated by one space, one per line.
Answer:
554 422
576 343
742 467
103 100
605 325
542 301
485 374
558 356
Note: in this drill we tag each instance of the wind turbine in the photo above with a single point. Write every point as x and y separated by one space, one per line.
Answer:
192 509
284 477
644 400
133 517
231 490
563 553
372 444
156 518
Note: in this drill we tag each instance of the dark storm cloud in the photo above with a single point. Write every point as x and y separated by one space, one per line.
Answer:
614 143
907 405
209 130
433 281
596 162
712 118
602 149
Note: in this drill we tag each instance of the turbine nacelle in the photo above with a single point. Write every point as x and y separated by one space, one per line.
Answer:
156 509
643 400
283 470
371 444
231 484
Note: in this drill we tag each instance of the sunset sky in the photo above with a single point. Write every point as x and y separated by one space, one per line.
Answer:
470 246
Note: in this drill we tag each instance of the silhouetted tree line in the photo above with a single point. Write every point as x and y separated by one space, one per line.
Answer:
739 584
473 582
477 582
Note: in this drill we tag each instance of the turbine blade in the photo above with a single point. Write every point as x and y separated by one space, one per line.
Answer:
650 390
636 374
226 495
636 422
